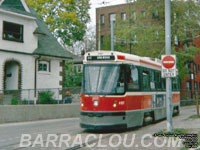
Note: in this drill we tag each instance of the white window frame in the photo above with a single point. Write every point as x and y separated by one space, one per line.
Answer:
42 62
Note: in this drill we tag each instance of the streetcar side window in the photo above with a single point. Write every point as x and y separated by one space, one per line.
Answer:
163 84
120 83
145 80
152 80
158 80
132 78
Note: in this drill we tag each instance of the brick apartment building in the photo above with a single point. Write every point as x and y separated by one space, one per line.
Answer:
103 29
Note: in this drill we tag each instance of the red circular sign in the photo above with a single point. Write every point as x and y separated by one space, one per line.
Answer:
168 62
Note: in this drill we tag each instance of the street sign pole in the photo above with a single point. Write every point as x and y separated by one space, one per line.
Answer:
168 52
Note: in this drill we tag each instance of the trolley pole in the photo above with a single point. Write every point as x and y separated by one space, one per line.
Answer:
168 52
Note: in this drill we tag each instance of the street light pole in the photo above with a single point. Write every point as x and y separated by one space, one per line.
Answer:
168 52
112 34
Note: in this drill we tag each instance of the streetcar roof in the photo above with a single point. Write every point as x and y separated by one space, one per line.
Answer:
119 57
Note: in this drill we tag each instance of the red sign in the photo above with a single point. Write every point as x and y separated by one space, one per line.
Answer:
168 62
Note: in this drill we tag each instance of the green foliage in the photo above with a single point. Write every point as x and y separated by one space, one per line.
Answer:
66 19
25 101
14 101
145 35
194 117
46 97
72 77
175 131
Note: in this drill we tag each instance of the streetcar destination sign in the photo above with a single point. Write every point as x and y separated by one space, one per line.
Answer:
92 58
168 66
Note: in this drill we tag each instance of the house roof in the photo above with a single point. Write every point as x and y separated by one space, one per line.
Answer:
47 43
15 6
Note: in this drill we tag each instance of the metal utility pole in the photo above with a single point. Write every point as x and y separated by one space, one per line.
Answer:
168 52
99 44
112 33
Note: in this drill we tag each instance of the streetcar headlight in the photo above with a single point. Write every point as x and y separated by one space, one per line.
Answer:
114 105
96 103
82 105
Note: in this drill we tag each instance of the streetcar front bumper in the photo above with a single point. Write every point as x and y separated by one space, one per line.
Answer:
103 120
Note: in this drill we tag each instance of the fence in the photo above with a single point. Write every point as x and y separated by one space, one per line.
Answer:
32 96
66 95
189 94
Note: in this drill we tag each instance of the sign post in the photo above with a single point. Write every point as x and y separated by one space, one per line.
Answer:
168 52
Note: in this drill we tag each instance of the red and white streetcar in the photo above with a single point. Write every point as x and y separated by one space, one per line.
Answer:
121 90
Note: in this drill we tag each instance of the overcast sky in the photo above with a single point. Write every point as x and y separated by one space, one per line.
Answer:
100 3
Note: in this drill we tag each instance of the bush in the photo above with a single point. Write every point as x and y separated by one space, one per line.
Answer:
14 101
46 97
25 102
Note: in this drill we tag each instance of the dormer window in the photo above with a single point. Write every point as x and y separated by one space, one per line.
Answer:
12 32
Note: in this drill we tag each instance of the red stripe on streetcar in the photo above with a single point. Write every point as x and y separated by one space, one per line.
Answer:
132 60
149 63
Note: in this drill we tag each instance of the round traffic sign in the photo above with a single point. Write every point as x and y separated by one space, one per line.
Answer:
168 62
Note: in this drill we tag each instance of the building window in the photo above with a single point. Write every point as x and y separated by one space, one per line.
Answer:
44 66
195 68
195 86
12 32
112 17
188 66
157 35
79 69
102 19
155 14
102 40
188 86
134 16
123 16
143 13
176 40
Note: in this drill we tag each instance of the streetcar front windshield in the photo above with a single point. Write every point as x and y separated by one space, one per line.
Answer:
103 79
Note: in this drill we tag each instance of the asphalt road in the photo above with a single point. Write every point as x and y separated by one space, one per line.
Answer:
10 134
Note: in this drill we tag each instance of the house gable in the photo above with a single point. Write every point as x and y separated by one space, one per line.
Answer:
16 4
37 39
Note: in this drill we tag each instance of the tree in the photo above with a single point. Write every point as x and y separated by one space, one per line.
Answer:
87 44
66 19
72 77
143 33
